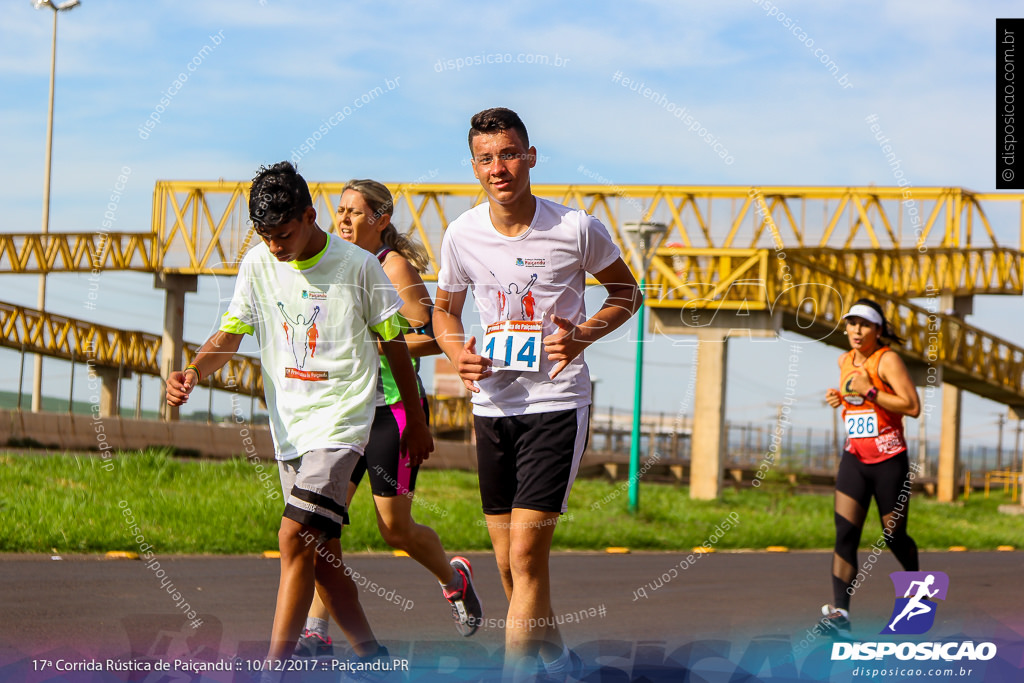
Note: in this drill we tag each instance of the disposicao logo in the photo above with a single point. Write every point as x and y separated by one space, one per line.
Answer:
912 614
916 593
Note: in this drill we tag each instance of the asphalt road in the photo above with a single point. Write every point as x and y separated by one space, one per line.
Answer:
721 616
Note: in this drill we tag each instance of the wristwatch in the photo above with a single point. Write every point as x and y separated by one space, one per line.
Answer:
872 393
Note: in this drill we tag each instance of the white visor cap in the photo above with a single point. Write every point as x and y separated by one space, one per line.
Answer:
866 312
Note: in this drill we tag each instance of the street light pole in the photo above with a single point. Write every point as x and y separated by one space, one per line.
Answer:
638 390
37 365
999 448
646 236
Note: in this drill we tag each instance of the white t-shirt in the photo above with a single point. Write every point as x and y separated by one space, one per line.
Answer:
318 353
528 277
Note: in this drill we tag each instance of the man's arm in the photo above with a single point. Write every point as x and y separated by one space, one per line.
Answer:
623 300
210 358
450 335
416 436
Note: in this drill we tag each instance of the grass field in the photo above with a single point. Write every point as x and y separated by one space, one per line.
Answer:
72 504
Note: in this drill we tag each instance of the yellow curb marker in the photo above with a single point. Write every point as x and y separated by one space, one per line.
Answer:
958 549
272 554
1006 548
122 555
617 550
400 553
703 549
777 549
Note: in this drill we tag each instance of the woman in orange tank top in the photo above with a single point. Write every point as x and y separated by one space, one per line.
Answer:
875 392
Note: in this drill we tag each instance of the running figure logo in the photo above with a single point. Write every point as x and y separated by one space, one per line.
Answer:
914 612
506 294
301 334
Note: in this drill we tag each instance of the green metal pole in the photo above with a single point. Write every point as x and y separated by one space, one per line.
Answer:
638 387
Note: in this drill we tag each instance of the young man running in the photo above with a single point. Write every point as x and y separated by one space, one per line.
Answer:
321 404
364 219
531 388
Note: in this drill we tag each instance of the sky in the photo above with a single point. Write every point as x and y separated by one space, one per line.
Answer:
268 73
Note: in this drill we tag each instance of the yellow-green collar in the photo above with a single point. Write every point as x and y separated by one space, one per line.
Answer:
312 260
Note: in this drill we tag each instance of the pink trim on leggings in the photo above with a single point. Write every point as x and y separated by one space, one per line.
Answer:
404 472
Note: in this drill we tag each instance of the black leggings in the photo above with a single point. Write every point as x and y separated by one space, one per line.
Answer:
856 483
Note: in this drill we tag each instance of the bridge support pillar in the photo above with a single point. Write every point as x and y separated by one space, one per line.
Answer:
708 441
110 390
949 441
949 444
709 434
928 379
172 347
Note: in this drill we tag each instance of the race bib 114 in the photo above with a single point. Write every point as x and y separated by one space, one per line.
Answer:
514 345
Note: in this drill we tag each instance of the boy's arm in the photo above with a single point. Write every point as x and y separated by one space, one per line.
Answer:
210 358
416 437
450 335
623 300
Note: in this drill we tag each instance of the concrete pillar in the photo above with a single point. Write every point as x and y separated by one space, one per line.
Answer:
712 328
110 379
927 380
176 286
708 436
949 444
922 445
949 441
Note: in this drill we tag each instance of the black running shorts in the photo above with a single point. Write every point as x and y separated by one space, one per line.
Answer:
530 461
389 473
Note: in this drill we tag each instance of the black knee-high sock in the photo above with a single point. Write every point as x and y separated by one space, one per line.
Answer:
853 495
905 550
847 540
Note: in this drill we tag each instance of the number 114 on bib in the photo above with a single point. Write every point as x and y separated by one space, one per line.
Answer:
514 345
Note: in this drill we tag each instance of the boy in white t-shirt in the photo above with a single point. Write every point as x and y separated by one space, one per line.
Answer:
318 307
526 260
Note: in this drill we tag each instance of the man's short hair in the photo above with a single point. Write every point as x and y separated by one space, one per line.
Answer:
278 195
496 120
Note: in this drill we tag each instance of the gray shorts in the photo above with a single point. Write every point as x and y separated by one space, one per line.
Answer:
315 486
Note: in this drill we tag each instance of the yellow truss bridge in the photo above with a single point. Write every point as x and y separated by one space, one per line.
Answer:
799 255
721 251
